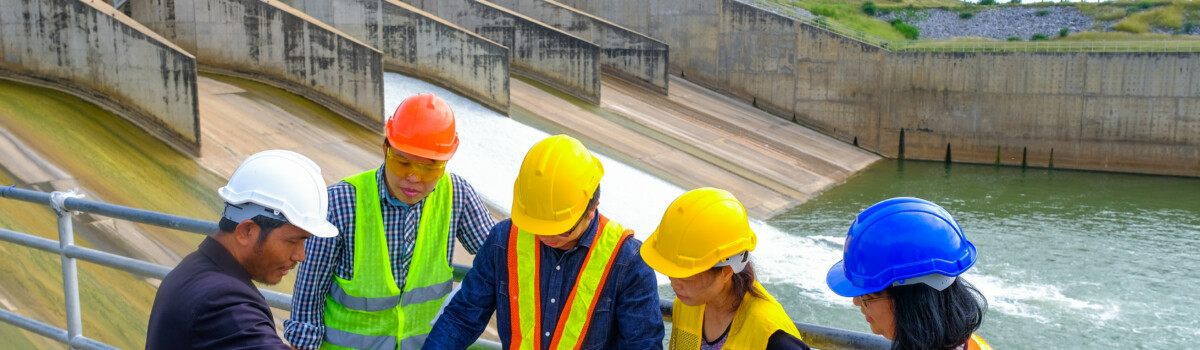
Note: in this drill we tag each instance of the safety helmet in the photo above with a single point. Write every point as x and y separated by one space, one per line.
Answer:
423 126
282 185
555 184
701 229
901 241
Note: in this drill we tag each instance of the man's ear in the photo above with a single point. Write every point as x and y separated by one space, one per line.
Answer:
246 233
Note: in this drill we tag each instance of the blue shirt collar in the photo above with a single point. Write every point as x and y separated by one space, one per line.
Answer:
383 190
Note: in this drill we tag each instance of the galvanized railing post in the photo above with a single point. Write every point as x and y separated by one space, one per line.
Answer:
66 238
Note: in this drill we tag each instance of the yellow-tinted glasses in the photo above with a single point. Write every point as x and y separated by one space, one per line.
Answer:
403 167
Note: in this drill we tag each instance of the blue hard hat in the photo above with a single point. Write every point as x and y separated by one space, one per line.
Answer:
900 241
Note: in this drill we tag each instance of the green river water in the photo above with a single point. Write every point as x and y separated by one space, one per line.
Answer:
1067 259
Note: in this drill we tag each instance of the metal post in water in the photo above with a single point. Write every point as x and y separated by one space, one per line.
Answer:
66 238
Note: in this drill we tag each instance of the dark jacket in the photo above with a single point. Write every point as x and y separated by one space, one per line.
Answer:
209 302
626 315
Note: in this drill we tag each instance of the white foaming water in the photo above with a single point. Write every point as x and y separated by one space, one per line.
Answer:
492 147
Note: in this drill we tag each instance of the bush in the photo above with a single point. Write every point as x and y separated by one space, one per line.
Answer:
1062 33
1014 2
1042 13
987 2
1013 38
1039 37
965 15
895 21
1144 5
868 8
910 32
1188 27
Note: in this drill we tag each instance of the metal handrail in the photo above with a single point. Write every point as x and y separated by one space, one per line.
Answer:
64 203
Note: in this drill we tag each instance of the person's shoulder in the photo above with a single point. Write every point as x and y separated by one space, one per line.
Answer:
499 231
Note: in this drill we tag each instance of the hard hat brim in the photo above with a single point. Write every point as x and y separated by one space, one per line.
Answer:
537 227
660 263
836 279
322 229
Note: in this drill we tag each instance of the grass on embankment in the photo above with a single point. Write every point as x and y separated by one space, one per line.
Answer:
120 163
1136 17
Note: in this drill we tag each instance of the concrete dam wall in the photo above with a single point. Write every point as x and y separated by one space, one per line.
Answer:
417 43
538 51
1126 112
268 41
90 50
627 54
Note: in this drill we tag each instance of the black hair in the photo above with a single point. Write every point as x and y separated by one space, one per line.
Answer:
742 283
595 200
927 318
265 225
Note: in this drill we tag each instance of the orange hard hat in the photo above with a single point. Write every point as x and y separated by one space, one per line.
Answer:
423 126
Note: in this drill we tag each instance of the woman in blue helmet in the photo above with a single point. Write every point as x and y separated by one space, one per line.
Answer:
901 266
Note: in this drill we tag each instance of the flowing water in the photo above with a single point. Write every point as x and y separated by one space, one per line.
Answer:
1067 258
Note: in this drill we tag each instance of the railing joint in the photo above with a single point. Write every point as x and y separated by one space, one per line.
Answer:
58 200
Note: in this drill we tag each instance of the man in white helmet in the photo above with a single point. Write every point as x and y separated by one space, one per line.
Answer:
274 201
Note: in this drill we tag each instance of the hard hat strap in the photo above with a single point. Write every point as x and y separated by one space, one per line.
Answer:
936 280
738 261
247 211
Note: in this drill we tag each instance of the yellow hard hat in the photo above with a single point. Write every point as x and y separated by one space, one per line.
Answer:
556 182
701 228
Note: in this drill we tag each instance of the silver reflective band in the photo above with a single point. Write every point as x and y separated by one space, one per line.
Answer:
358 341
248 210
362 304
738 261
429 293
414 342
936 280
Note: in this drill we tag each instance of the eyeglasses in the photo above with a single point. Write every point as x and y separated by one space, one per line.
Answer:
403 167
864 299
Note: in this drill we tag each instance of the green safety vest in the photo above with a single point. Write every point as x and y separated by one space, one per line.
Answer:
369 311
524 263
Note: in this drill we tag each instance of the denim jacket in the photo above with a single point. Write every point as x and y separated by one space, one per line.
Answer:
627 315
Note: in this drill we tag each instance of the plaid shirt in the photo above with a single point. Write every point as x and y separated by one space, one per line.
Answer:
326 257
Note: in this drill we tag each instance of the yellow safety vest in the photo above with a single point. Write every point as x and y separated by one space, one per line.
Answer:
369 311
756 320
524 263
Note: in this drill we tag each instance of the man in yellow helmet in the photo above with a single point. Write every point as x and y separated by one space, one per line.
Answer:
559 275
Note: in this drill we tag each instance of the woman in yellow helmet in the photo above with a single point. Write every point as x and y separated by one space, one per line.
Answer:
703 244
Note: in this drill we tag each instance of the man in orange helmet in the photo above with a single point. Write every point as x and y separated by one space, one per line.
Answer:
356 290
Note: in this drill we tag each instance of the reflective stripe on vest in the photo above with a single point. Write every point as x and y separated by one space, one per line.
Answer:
524 263
977 343
369 311
756 320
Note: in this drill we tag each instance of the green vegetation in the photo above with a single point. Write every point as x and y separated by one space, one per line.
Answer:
1142 22
1013 38
851 16
868 8
987 2
1062 33
1039 37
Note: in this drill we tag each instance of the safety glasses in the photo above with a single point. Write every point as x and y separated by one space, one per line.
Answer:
403 167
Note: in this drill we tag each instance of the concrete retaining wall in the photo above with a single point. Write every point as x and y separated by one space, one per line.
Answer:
628 55
1127 112
268 41
90 50
417 43
538 51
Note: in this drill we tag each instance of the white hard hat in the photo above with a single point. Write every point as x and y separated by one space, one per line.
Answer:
282 183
